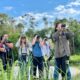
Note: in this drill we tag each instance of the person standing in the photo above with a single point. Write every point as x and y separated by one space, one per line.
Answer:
37 56
46 53
22 46
69 36
8 46
62 50
2 54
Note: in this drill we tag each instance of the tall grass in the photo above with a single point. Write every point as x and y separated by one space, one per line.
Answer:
22 71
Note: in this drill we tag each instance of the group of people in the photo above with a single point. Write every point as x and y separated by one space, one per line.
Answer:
41 51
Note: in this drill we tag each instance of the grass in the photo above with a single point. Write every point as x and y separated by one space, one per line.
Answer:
22 73
75 58
76 78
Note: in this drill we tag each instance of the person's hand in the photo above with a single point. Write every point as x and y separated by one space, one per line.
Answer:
2 49
3 40
35 37
46 58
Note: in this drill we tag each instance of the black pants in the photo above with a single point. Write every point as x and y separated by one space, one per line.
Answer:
38 61
10 59
61 65
4 60
23 57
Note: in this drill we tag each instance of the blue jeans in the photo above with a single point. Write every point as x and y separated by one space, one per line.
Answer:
57 70
68 72
56 74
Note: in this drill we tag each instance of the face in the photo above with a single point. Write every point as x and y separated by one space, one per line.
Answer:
24 40
59 27
6 36
63 28
38 39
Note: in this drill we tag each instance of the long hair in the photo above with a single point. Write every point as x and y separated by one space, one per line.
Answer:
56 25
23 37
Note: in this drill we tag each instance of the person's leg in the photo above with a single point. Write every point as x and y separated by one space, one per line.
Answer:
68 74
4 61
64 68
57 68
40 67
68 69
10 61
24 58
34 66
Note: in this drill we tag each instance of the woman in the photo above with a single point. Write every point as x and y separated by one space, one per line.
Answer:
62 50
46 54
22 46
45 48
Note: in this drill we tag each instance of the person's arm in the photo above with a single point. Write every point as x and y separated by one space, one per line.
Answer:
10 45
52 54
34 40
2 49
18 44
69 34
55 37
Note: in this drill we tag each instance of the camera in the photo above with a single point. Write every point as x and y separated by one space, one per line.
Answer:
63 25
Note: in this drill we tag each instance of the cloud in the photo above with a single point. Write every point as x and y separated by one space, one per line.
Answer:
8 8
38 18
60 7
68 11
68 8
74 3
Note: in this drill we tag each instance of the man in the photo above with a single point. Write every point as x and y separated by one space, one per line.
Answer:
8 46
37 56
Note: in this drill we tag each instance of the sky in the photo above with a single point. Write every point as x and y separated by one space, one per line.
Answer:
39 8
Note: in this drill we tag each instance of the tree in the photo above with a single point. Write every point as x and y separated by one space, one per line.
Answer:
20 27
45 20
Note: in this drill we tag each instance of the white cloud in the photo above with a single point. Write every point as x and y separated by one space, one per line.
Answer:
38 17
68 8
8 8
63 10
72 11
60 7
74 3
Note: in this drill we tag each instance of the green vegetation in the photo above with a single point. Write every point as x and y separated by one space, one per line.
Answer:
75 59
